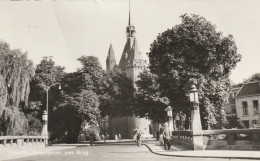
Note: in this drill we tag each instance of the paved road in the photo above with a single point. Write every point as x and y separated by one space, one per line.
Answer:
110 152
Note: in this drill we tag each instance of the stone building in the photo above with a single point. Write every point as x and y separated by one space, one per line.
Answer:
132 62
247 103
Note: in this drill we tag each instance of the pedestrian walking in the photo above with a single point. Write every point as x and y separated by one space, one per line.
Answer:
103 137
91 138
119 136
157 135
166 138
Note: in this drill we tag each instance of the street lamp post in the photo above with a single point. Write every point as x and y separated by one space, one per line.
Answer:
195 119
169 114
46 112
47 88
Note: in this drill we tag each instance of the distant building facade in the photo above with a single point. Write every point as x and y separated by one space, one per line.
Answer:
247 103
133 63
231 108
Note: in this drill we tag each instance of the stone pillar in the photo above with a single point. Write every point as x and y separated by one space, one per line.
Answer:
45 123
45 132
171 124
44 129
195 120
196 129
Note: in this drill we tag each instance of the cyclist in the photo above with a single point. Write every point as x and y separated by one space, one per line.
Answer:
138 134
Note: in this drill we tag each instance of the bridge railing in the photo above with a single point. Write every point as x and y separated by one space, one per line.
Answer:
13 141
228 139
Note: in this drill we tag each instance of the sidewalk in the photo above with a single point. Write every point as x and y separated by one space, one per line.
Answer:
178 151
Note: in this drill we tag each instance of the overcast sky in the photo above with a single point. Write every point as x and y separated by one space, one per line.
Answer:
69 29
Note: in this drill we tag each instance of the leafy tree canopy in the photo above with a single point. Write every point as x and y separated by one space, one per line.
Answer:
81 94
92 72
47 72
148 99
194 52
119 97
16 72
253 78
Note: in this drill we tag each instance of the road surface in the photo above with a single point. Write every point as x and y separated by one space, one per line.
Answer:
110 152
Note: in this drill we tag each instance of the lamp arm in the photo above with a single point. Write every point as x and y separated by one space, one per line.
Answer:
46 88
53 85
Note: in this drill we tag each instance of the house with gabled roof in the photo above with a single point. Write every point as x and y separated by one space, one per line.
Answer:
247 103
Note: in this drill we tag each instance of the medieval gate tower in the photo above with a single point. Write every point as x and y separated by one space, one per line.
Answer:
133 63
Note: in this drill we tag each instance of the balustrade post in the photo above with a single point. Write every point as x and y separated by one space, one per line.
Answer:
11 142
230 139
197 134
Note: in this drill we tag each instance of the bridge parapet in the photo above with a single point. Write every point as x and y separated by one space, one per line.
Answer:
15 141
228 139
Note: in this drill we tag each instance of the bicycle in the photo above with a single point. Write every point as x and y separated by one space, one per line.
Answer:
138 139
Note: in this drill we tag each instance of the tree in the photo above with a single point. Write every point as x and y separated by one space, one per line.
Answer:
78 108
93 73
81 91
194 52
253 78
148 99
46 74
114 89
119 97
16 72
233 122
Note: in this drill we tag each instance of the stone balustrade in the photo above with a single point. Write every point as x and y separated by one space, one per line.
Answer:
182 138
229 139
16 141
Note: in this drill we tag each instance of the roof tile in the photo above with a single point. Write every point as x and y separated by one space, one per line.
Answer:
249 89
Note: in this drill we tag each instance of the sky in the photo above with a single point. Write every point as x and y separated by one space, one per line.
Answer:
67 29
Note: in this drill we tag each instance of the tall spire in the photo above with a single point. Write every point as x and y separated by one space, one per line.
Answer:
130 29
129 20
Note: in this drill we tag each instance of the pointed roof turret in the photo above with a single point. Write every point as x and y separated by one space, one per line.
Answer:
111 53
136 54
111 60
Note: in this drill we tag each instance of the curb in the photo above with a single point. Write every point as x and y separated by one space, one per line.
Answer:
194 156
116 142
